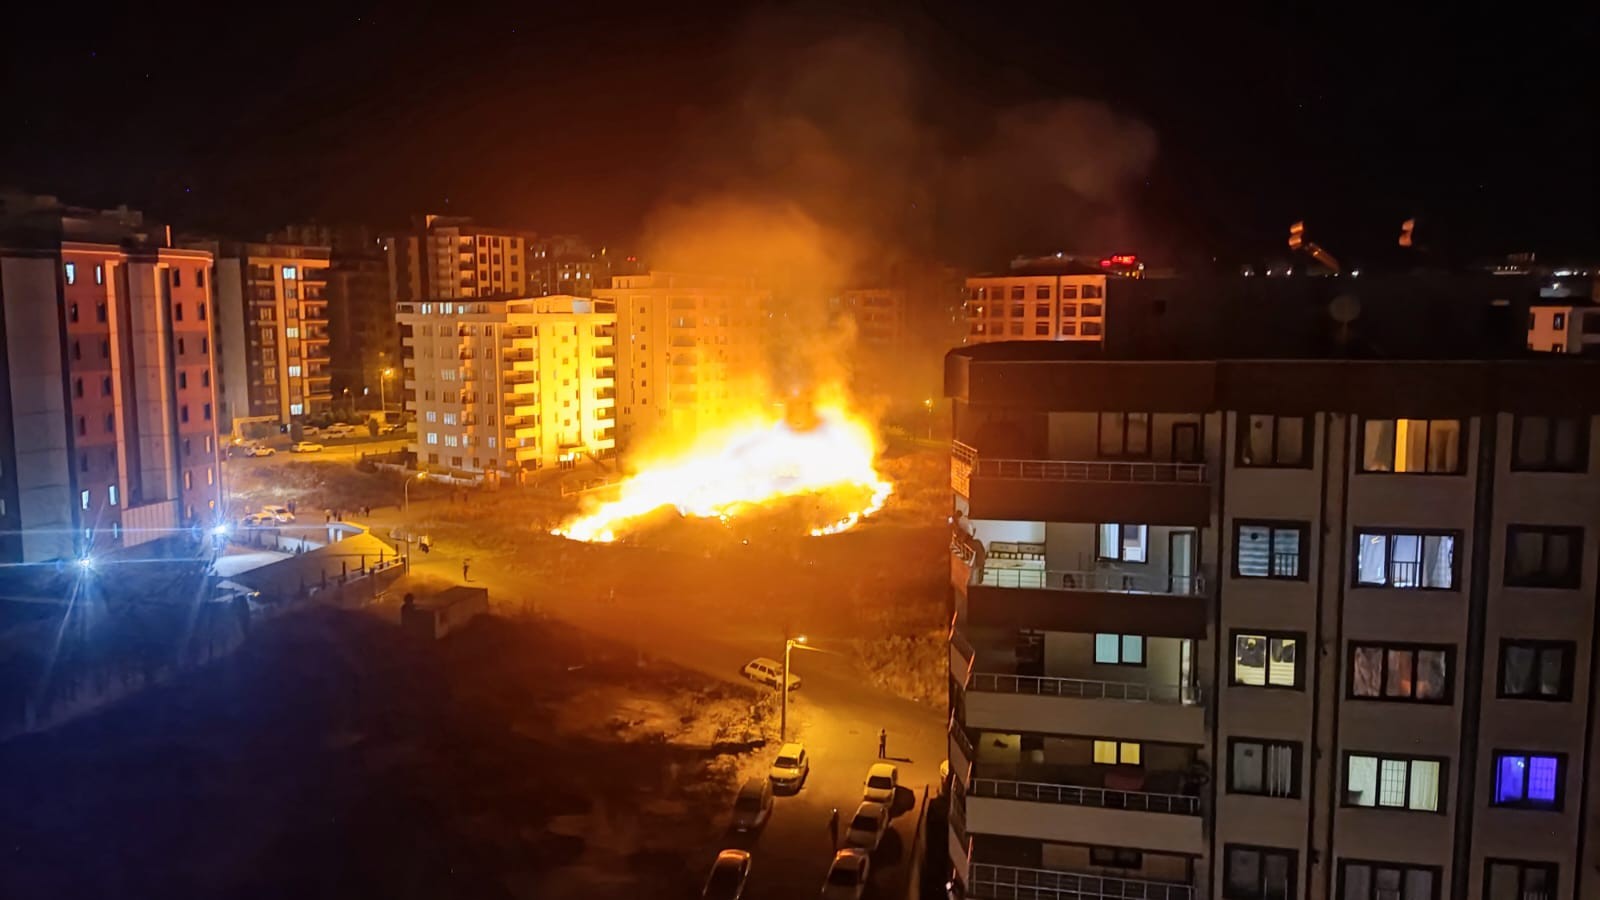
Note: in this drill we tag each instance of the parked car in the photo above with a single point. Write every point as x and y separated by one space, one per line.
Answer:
847 877
255 520
790 769
769 672
306 447
881 781
258 450
277 513
339 430
753 805
310 430
728 875
867 827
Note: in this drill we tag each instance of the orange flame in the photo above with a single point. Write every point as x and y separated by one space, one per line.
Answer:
765 459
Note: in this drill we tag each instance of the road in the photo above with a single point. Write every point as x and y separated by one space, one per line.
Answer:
343 452
837 713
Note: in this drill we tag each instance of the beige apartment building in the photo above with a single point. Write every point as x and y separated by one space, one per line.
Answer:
500 387
273 359
690 350
1064 304
1270 630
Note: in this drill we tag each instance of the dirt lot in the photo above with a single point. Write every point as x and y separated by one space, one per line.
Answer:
334 757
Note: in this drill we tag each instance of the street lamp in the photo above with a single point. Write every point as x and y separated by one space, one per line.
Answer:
383 402
928 405
783 716
405 489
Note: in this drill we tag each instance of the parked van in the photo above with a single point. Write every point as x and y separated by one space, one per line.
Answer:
769 672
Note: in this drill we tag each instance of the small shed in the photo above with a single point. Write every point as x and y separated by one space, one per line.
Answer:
436 616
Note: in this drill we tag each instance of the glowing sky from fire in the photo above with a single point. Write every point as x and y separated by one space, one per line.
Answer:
735 469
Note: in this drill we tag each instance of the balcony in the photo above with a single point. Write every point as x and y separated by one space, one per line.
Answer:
608 351
1020 883
1082 814
1166 713
1083 580
1155 493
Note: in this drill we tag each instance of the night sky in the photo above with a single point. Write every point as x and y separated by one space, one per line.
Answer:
583 117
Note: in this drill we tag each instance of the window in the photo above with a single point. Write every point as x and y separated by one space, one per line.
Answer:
100 312
291 332
294 371
72 278
288 273
1392 782
1018 292
433 438
1558 321
105 386
200 281
1258 873
1042 292
1016 329
111 422
188 480
200 310
1119 649
83 500
1266 659
1069 329
180 347
1362 880
1536 670
1069 292
1041 329
206 412
431 416
1089 310
1411 560
177 312
1124 435
1411 445
451 440
1113 753
177 281
1400 672
183 413
205 345
1126 543
1529 780
1116 857
1093 292
183 380
1274 441
1511 879
99 274
1267 768
1269 549
1543 556
1550 444
450 418
77 387
72 313
296 409
205 378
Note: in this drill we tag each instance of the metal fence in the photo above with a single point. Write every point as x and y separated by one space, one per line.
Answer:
1084 689
1074 795
1095 580
1018 883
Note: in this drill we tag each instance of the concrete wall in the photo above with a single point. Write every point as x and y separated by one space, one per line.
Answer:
232 375
45 489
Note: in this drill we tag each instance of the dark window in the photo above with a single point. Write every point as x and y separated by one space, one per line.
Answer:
1041 310
1430 446
1069 292
205 378
177 312
83 462
1414 672
1267 768
1406 559
1270 549
1536 670
1016 329
1042 292
1092 328
72 313
1018 292
1559 322
183 380
1093 292
1116 857
186 447
1089 310
1069 329
105 386
1543 556
1269 659
1069 310
200 310
1274 440
207 412
83 426
1529 780
183 413
77 387
1041 329
1550 444
1124 435
1125 543
1394 782
1258 873
205 345
105 349
180 346
1364 880
177 277
100 312
111 422
1515 879
77 350
200 281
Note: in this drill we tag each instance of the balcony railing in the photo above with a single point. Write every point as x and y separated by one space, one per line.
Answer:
1018 883
1096 580
1115 471
1073 795
1082 688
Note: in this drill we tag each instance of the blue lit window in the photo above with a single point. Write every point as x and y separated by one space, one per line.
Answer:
1528 780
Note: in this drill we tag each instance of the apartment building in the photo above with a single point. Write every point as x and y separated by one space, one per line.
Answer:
880 316
363 339
1273 629
448 257
108 433
503 387
273 362
690 350
1055 303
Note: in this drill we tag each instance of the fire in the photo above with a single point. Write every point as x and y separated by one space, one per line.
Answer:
734 469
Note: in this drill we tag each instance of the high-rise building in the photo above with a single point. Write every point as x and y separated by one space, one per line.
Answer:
272 329
446 257
1039 303
363 339
567 264
501 387
689 350
1278 623
108 433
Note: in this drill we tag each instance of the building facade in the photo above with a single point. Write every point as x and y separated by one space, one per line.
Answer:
690 350
274 362
1064 305
363 339
1273 630
503 387
108 431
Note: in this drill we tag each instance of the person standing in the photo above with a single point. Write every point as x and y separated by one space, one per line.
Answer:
464 564
883 743
833 826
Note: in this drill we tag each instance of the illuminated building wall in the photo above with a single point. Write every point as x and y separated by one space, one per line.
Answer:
275 336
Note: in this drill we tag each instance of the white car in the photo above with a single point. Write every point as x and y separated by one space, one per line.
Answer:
847 877
277 513
258 450
339 430
790 769
769 672
867 827
306 447
881 781
728 875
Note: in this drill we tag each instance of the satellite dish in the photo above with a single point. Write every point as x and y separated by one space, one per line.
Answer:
1345 309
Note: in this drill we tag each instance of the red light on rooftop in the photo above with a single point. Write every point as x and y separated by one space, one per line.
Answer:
1124 259
1105 263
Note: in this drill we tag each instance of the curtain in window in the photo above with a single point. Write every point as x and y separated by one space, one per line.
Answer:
1246 768
1110 541
1280 770
1551 670
1387 884
1438 561
1282 669
1510 780
1243 873
1285 552
1405 568
1430 675
1444 445
1424 785
1254 551
1357 881
1361 781
1377 445
1367 672
1370 558
1418 885
1503 878
1565 442
1411 445
1398 678
1134 539
1527 551
1542 772
1276 877
1291 441
1517 677
1250 659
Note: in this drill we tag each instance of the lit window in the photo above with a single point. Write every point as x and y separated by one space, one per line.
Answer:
294 371
1400 672
1392 782
1266 659
1263 767
431 416
72 278
210 476
1528 780
1415 561
99 274
491 442
1126 543
451 440
296 409
1119 649
291 331
1411 445
83 499
1269 549
111 494
1111 753
288 273
1536 670
450 418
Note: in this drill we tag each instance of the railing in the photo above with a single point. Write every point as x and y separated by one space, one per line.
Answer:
959 734
1073 795
963 453
1018 883
1082 688
1097 580
1102 470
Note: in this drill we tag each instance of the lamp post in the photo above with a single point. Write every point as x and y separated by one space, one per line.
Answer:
783 716
928 405
405 489
383 402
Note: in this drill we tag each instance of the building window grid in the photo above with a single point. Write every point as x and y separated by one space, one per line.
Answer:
1361 879
1267 659
1416 673
1394 782
1279 442
1550 444
1536 670
1270 549
1549 556
1412 446
1528 780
